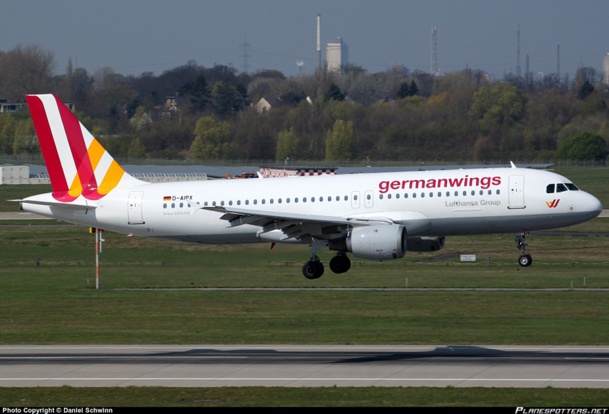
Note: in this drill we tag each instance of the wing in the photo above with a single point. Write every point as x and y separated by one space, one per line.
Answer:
286 227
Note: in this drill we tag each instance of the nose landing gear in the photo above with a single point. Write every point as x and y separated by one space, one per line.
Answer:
525 259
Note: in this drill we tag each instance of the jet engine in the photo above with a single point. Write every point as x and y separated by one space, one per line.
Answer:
381 242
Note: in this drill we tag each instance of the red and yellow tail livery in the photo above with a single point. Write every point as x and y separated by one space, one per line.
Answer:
77 163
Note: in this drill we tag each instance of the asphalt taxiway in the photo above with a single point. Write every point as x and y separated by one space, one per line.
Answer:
305 366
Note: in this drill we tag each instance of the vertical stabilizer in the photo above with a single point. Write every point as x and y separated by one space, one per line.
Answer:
77 163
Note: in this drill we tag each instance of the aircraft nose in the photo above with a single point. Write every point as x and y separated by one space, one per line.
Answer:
594 205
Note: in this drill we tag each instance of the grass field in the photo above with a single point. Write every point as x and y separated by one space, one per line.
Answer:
47 281
302 397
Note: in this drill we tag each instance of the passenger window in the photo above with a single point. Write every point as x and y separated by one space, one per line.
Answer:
550 188
560 188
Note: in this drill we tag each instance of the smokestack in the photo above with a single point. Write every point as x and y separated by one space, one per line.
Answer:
558 60
434 50
518 71
319 41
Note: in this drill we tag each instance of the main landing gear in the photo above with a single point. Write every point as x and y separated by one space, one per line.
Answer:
525 259
314 268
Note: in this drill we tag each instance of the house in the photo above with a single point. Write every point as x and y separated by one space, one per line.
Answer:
14 106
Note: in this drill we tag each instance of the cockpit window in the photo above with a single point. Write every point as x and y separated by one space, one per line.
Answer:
560 187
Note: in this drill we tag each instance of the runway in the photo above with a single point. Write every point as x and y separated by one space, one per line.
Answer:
305 366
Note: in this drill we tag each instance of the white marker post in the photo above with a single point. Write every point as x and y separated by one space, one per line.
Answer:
98 250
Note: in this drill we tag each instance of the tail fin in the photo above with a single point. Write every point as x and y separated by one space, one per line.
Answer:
76 161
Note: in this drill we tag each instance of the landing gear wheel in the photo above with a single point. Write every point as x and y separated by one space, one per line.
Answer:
313 269
340 263
525 260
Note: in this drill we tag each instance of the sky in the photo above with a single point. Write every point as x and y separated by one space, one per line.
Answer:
137 36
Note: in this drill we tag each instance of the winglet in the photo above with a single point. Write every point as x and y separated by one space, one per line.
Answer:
77 163
513 165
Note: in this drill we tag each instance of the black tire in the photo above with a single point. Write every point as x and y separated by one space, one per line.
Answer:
313 270
525 260
340 264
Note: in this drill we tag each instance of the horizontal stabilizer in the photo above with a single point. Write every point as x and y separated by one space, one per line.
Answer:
71 206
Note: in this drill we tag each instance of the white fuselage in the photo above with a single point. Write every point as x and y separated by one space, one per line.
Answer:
427 203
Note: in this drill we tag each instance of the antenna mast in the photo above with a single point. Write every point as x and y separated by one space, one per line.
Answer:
245 56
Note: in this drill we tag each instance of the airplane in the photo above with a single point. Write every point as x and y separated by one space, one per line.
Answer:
375 216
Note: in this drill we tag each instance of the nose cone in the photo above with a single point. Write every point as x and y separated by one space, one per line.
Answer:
592 205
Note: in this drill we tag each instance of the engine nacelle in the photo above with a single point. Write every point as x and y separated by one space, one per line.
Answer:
382 242
425 244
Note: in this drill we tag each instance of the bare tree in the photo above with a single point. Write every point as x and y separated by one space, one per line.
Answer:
25 69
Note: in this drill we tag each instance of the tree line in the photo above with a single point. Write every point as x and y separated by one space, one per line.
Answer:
351 115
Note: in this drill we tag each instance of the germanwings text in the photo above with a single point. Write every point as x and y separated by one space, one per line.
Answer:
467 181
